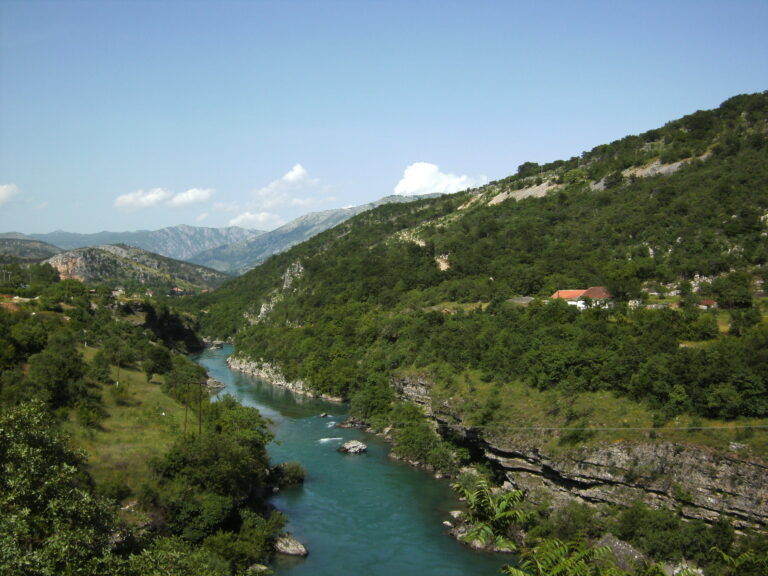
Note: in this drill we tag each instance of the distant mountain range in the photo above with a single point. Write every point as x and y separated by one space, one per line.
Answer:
178 242
232 250
240 257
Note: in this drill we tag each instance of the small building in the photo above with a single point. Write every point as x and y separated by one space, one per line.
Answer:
708 305
596 295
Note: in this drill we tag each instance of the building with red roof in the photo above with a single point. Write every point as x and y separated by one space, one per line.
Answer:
596 295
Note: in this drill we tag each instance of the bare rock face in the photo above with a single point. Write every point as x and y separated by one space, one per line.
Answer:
416 390
272 374
628 557
353 447
287 544
702 483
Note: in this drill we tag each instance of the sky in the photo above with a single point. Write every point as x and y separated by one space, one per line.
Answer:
138 115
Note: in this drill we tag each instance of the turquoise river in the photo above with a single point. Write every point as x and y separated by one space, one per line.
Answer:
363 515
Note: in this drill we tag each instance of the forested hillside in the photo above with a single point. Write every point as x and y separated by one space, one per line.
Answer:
422 302
171 483
426 284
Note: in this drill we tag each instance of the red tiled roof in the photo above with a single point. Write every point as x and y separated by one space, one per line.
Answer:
597 293
593 293
568 294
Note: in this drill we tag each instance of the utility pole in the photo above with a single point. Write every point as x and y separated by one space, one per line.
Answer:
199 409
186 408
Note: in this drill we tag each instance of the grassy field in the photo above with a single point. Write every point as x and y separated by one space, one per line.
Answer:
519 414
142 423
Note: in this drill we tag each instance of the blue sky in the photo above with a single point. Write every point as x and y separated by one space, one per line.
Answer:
140 115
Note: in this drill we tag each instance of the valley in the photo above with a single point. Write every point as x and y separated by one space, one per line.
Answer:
579 348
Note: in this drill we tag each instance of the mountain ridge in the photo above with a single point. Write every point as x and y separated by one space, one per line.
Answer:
178 242
241 256
117 264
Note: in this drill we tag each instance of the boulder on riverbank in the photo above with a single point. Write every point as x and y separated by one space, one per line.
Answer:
214 385
353 447
288 545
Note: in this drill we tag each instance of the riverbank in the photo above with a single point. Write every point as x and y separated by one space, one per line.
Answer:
273 375
347 503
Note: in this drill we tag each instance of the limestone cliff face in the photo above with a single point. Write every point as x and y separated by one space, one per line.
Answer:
272 374
117 264
701 482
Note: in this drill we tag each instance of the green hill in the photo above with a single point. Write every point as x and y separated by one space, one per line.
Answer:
419 302
628 215
129 267
25 250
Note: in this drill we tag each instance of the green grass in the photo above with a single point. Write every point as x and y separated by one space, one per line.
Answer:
517 414
141 426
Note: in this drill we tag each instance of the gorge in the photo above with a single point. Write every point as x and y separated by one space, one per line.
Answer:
364 514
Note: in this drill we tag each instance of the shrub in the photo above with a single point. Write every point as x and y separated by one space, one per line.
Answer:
288 474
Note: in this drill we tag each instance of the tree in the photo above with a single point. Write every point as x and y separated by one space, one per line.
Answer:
157 361
50 521
56 373
733 290
175 557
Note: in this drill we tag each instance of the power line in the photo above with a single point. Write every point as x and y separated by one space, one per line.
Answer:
622 429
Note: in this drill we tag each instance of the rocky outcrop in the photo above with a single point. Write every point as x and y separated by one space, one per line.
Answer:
353 447
287 544
415 389
118 264
271 373
701 482
214 385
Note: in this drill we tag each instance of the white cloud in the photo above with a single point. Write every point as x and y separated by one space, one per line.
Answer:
201 217
425 178
191 196
7 191
294 188
259 220
142 199
147 198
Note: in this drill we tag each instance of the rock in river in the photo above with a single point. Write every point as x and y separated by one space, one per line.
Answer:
353 447
287 544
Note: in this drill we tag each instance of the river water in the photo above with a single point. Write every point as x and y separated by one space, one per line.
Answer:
363 515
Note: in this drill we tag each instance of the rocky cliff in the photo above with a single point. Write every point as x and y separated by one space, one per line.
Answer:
114 264
273 375
702 483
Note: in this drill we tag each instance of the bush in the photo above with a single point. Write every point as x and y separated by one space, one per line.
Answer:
288 474
253 543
